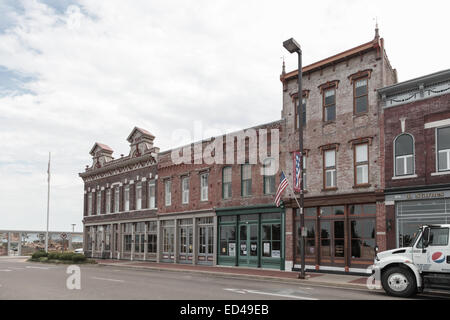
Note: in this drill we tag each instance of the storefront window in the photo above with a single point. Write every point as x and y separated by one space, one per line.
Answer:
363 238
271 240
152 236
325 239
228 241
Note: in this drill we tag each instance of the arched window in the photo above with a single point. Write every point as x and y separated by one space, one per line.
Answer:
404 155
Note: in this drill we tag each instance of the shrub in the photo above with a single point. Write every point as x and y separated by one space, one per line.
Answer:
43 259
66 256
76 258
53 256
38 254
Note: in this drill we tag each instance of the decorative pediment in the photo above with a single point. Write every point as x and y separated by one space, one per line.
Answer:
360 74
330 146
328 85
138 135
100 149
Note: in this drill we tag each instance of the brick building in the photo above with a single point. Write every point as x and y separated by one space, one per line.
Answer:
119 200
417 148
343 158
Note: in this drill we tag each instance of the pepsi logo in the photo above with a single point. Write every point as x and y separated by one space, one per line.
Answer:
438 257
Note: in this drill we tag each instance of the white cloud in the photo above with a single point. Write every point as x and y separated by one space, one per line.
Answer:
102 67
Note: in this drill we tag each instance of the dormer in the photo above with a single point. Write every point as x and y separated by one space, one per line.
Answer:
141 141
101 154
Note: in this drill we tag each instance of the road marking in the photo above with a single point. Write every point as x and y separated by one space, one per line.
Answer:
33 267
106 279
244 291
5 270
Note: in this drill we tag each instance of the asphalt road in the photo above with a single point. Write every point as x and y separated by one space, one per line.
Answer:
26 280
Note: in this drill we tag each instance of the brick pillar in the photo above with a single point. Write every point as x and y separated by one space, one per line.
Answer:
381 238
289 239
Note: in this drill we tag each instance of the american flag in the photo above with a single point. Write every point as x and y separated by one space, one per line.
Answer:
298 172
281 187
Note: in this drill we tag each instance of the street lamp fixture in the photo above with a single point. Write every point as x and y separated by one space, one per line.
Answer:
292 46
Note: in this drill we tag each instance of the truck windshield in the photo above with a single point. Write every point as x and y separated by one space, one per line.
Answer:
417 235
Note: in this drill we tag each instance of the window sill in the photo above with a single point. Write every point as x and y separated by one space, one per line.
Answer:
412 176
357 115
330 189
443 173
326 123
362 186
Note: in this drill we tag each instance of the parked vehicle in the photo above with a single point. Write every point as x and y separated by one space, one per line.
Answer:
425 265
79 250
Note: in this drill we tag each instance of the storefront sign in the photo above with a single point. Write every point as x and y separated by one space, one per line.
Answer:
232 249
275 253
266 248
418 196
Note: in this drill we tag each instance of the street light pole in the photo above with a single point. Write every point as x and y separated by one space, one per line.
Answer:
292 46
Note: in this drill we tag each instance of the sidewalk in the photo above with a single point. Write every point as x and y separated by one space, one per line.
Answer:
324 279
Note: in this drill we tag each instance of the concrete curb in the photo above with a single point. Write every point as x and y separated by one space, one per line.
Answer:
243 276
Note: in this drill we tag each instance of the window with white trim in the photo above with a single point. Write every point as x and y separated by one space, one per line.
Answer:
99 202
116 199
204 186
443 149
168 192
152 194
226 182
138 196
185 190
330 169
126 197
108 201
361 164
89 204
269 176
246 180
404 155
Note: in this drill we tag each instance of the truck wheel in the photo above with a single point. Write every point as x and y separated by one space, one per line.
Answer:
399 282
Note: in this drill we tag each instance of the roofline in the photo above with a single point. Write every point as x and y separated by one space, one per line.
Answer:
415 83
375 43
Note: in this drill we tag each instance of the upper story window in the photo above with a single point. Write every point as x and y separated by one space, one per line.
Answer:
361 95
246 180
108 201
116 199
443 149
204 187
404 155
152 194
89 204
269 176
329 104
226 182
185 190
329 169
99 202
361 164
168 192
126 197
303 117
138 196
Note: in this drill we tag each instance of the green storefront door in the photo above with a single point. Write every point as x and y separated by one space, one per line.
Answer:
248 244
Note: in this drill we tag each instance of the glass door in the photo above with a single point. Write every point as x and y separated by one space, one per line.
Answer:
205 244
248 244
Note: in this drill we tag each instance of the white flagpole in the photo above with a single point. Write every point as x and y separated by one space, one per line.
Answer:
48 202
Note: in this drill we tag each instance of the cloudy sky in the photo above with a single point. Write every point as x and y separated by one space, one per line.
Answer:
76 72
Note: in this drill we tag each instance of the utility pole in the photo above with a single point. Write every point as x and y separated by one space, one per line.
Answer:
48 201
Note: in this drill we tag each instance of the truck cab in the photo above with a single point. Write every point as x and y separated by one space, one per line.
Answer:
425 265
